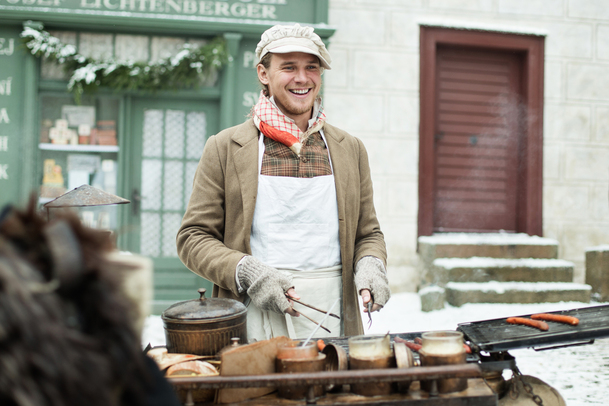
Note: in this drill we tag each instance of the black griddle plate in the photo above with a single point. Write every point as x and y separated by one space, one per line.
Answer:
498 335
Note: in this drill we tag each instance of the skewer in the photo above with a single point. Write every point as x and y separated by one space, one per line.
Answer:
308 318
311 307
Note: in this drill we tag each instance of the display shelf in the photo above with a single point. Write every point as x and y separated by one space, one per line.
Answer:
78 148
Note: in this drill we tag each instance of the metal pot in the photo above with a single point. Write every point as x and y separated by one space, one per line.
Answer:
204 326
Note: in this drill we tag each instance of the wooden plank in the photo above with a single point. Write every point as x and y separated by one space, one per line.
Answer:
478 77
489 140
471 172
468 151
460 194
473 98
471 87
472 162
473 65
493 120
450 183
472 128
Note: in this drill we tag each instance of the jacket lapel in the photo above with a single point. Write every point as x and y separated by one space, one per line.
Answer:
245 158
340 166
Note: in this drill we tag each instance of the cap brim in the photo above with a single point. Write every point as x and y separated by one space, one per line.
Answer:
286 49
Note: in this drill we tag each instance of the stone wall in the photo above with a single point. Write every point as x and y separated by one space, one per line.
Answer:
372 92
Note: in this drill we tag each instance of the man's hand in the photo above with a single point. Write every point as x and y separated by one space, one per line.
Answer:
292 293
371 282
266 286
366 297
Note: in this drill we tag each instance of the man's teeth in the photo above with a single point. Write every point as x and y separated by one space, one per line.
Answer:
300 91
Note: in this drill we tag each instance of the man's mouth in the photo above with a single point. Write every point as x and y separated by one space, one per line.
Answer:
300 91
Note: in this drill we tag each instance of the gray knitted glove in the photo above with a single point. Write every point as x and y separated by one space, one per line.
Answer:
370 274
265 285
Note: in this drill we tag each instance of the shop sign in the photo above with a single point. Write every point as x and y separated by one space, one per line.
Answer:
281 10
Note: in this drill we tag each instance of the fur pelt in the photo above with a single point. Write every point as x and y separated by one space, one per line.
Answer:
63 341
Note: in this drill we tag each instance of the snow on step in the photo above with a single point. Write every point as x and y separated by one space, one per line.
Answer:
459 293
495 245
483 269
487 239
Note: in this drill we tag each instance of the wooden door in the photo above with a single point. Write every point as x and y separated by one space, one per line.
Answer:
476 141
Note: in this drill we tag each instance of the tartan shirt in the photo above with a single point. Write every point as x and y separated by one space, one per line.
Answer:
279 160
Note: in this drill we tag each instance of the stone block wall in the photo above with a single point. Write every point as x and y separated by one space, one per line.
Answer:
373 92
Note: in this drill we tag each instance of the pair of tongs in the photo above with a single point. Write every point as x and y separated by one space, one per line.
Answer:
314 308
369 308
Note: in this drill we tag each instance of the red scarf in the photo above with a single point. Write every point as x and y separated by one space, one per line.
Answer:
277 126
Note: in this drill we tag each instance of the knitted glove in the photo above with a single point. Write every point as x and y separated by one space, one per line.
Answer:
370 274
265 285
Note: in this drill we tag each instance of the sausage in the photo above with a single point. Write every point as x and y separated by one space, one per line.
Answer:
574 321
528 322
321 345
409 344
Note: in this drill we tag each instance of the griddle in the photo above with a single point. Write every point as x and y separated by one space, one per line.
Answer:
498 335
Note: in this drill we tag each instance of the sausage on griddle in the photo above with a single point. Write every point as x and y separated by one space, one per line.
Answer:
528 322
574 321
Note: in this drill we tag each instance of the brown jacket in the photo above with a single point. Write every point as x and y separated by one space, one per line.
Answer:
215 231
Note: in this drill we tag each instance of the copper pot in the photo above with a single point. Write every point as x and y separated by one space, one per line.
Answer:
204 326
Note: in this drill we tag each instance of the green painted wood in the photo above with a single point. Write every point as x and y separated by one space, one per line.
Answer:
229 77
172 16
13 78
321 11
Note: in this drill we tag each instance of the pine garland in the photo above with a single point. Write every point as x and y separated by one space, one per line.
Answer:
189 68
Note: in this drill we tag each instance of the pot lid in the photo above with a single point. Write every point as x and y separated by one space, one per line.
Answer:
213 308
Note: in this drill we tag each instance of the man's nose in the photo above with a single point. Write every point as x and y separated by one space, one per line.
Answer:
301 75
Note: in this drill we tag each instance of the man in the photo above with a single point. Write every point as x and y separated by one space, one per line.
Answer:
282 204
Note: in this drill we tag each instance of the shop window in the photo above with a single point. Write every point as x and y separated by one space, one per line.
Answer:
79 145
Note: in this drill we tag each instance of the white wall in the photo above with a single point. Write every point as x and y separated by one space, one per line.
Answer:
372 91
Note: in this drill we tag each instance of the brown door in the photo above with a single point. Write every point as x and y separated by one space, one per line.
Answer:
476 140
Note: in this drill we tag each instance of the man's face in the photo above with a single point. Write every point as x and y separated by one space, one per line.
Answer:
294 80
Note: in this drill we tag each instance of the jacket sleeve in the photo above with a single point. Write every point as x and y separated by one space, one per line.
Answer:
201 235
369 239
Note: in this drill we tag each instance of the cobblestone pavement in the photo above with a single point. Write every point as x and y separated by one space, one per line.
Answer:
580 374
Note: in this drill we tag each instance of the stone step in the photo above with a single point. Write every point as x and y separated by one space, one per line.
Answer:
479 269
493 245
460 293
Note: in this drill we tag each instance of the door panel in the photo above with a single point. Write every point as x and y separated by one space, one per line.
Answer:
167 140
476 141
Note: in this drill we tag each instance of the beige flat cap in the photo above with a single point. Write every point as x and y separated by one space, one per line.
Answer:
282 39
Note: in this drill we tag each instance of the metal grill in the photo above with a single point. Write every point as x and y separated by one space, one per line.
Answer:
498 335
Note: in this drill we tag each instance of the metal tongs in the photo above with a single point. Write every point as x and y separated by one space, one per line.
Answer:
369 307
314 308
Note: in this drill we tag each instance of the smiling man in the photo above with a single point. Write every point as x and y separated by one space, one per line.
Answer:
282 210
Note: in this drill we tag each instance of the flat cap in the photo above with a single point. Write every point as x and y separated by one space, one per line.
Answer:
282 39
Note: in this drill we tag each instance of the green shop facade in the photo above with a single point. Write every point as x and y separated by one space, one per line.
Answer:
139 144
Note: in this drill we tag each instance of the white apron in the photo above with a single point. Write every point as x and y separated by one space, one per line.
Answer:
295 229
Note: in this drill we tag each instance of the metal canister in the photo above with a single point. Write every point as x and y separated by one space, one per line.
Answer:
204 326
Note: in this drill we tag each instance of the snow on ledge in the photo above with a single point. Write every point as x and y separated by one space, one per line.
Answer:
598 248
431 289
482 262
480 26
487 239
502 287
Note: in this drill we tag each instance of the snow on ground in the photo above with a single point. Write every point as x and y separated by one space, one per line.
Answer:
579 373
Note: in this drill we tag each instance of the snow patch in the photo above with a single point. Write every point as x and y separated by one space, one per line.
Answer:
598 248
431 289
480 26
484 262
502 287
487 239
